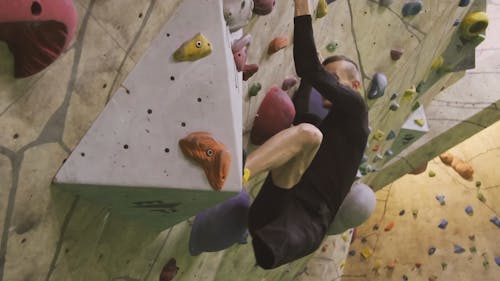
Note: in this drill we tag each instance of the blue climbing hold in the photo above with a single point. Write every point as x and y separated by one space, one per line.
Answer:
497 260
431 251
495 220
391 135
412 8
440 198
378 85
457 249
221 226
443 224
469 210
464 3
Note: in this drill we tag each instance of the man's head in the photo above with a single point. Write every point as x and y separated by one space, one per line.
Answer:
346 70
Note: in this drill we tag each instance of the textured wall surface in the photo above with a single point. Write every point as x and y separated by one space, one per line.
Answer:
47 234
412 236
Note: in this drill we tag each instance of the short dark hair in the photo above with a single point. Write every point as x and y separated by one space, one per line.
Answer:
335 58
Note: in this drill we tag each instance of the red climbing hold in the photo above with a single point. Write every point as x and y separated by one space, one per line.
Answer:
276 113
37 32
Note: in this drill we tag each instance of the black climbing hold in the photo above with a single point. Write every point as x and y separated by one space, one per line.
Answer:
412 8
402 212
378 85
464 3
352 253
391 135
396 54
375 227
405 278
394 106
431 251
394 96
385 3
389 153
420 86
456 22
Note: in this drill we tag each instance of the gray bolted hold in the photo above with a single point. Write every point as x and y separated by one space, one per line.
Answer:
378 85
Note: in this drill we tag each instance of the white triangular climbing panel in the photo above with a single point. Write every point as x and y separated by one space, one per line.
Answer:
130 157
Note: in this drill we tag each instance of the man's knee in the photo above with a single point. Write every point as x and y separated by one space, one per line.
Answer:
309 134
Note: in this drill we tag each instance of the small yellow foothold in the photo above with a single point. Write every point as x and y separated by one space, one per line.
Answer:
193 49
377 264
246 176
420 122
342 264
322 9
366 252
432 174
378 135
409 94
345 236
437 63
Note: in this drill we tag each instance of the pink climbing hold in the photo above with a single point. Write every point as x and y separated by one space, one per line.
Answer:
249 70
240 58
396 54
276 113
244 41
36 32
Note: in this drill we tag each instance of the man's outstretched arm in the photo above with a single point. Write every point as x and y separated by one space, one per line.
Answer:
310 68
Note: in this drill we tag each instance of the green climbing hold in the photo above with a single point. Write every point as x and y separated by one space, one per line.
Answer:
432 174
391 135
254 89
331 47
420 86
415 106
481 197
444 265
478 184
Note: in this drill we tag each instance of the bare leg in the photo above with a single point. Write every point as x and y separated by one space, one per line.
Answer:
287 154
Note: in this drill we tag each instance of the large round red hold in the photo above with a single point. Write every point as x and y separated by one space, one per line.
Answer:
37 32
276 113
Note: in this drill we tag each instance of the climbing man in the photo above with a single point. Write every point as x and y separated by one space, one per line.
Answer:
311 168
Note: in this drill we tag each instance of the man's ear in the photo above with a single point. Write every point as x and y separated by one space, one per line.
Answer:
356 84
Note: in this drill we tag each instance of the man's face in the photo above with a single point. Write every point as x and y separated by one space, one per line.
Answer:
339 68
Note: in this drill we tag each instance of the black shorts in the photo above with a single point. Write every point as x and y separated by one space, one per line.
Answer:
287 224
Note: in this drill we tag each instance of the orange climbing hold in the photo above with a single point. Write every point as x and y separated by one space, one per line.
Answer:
277 44
463 168
389 226
211 154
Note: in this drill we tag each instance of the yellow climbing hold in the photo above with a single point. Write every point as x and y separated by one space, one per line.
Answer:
366 252
193 49
419 121
437 63
345 236
409 94
377 264
246 176
322 9
378 135
432 174
473 24
342 264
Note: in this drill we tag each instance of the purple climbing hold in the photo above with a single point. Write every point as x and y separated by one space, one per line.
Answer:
469 210
456 22
378 85
221 226
440 198
495 220
412 8
457 249
443 224
464 3
288 83
497 260
431 251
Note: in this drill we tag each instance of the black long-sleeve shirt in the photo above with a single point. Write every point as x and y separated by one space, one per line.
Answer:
345 128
